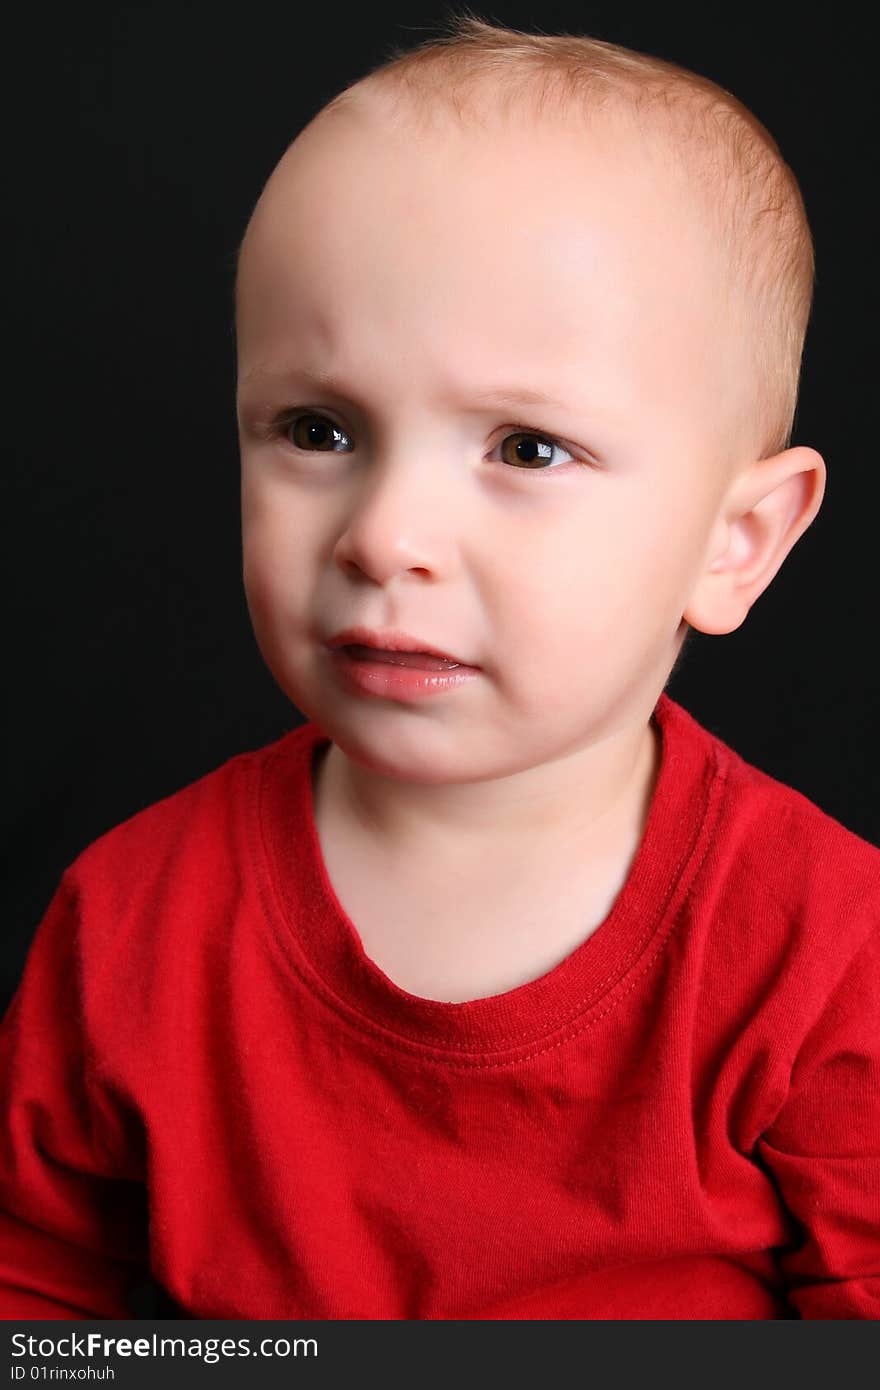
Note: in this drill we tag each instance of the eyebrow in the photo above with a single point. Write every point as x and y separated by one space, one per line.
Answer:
493 395
517 395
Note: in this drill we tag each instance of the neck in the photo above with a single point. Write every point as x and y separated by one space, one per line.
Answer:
587 801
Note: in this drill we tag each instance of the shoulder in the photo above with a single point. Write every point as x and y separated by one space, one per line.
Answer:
783 835
783 861
783 917
179 859
791 841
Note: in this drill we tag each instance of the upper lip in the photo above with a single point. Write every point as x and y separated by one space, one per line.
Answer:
388 640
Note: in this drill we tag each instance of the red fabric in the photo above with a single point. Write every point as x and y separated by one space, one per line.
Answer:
203 1072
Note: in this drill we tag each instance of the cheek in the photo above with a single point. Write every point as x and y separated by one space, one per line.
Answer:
260 557
565 580
599 583
272 573
276 544
258 589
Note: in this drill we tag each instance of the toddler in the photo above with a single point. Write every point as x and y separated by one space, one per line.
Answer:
499 987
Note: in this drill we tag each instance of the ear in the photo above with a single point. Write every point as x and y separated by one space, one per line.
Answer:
765 511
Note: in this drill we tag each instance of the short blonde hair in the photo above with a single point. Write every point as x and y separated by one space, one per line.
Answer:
729 159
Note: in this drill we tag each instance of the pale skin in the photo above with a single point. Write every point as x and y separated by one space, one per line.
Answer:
475 839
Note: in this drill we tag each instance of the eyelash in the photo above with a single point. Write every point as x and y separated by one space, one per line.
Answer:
281 424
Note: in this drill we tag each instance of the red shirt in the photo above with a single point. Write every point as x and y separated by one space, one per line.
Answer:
202 1072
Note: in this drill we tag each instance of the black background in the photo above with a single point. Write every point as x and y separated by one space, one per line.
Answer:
138 139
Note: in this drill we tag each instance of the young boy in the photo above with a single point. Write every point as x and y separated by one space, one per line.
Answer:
499 988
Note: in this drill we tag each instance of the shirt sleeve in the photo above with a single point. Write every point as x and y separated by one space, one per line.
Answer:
823 1150
73 1218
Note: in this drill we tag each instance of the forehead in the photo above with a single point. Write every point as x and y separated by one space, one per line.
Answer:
530 242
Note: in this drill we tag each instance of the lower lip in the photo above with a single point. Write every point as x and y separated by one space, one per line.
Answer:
397 682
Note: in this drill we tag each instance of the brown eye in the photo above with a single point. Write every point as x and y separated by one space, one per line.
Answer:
526 449
311 431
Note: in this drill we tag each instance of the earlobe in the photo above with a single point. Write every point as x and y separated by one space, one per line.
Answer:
765 512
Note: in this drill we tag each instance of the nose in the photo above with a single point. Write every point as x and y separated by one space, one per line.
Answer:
400 519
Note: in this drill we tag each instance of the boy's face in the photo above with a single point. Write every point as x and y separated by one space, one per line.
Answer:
421 275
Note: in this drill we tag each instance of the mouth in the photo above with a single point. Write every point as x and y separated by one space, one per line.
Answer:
422 661
393 649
